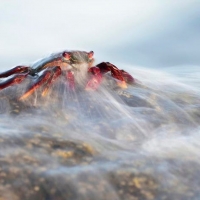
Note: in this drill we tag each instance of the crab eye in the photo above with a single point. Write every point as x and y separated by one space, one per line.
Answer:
90 54
66 55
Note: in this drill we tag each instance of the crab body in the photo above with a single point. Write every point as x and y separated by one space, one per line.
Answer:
75 66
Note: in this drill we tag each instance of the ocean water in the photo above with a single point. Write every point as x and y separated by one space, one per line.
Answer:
139 143
136 143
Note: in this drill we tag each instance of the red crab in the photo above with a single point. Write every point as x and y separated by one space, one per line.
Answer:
66 63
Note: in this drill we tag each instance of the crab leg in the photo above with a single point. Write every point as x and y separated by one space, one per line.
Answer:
121 75
55 75
70 79
47 77
15 70
127 77
16 79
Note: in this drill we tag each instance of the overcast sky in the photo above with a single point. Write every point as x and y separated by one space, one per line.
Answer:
114 29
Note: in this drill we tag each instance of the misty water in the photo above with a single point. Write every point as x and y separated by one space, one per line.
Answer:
136 143
139 143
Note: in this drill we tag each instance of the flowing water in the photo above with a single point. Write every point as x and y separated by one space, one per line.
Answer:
138 143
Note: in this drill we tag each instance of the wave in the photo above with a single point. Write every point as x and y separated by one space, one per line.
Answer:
137 143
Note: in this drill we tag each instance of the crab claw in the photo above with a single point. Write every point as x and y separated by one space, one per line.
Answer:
96 79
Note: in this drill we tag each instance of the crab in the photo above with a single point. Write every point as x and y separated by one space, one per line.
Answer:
67 64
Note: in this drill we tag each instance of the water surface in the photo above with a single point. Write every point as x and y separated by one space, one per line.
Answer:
136 143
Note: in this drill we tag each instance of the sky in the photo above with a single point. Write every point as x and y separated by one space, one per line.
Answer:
150 33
